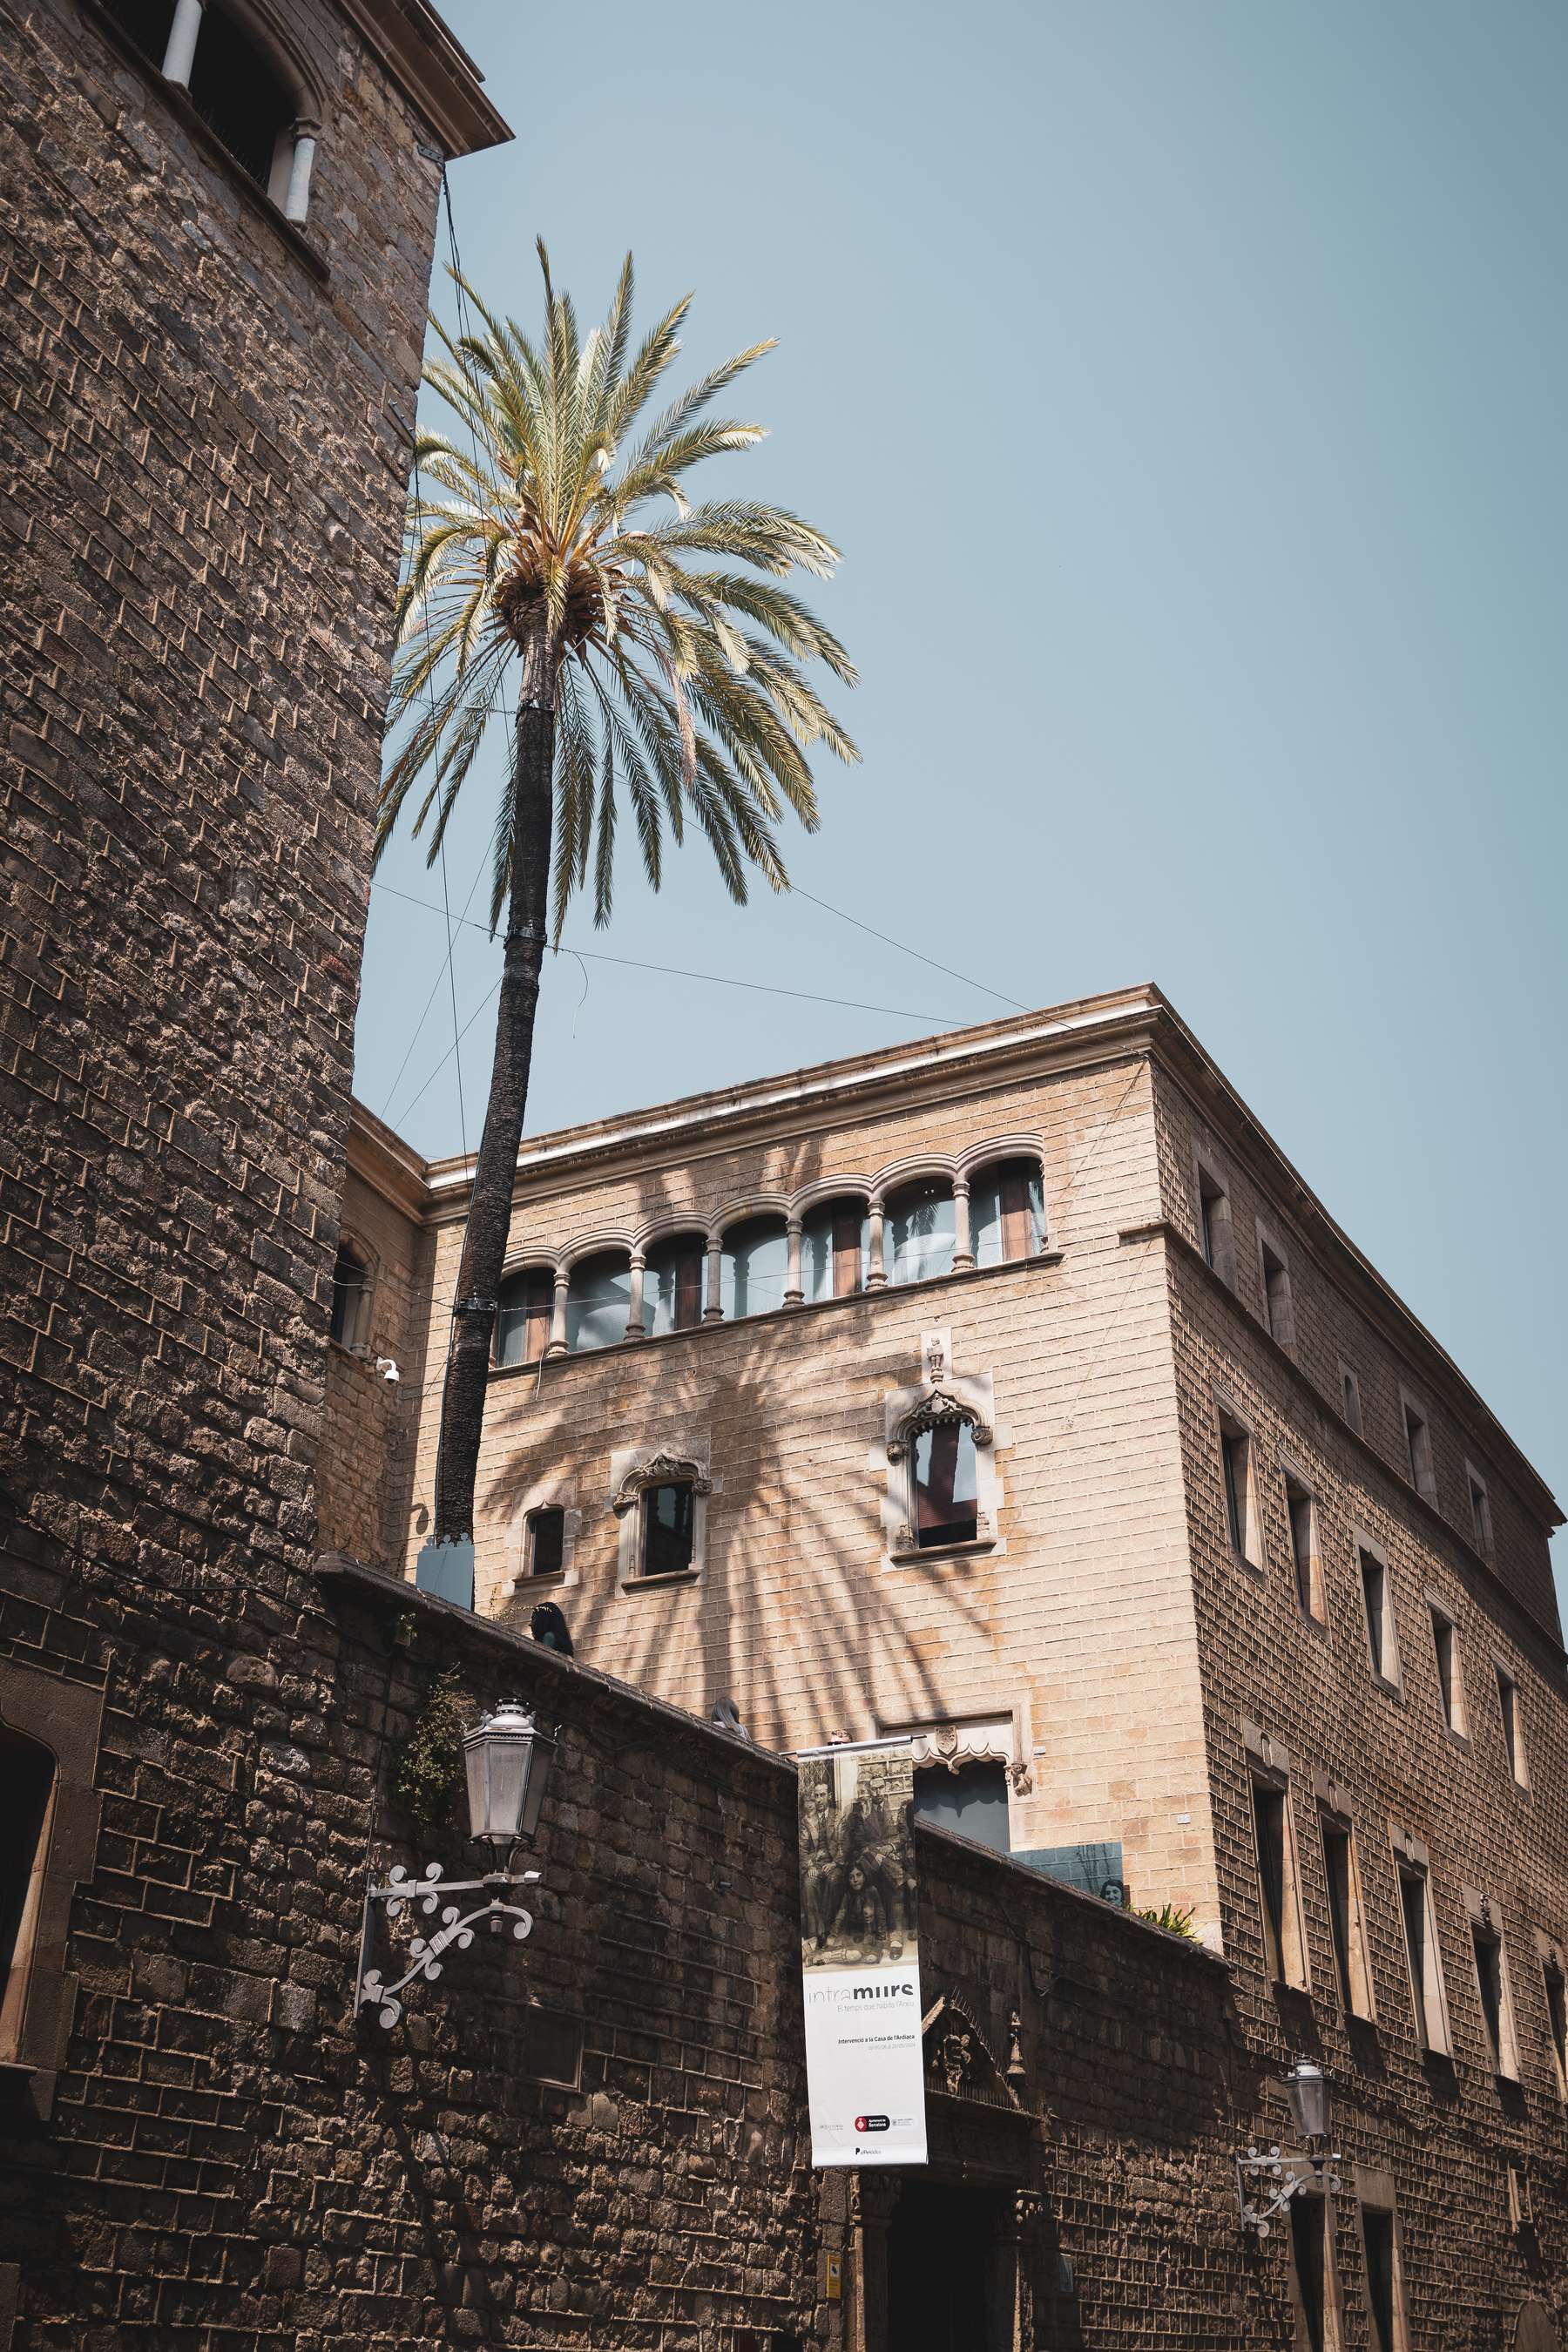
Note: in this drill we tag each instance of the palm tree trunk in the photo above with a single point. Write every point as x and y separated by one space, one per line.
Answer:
490 1207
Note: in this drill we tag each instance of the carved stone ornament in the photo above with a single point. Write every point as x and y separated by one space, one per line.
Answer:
959 2059
941 1406
956 1745
663 1470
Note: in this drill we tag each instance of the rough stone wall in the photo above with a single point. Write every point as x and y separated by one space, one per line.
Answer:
206 430
1447 2133
1079 1623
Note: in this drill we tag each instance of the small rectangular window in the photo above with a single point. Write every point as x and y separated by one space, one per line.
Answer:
1240 1503
669 1527
1383 2289
1481 1514
1350 1391
546 1542
1424 1960
1418 1446
1215 1227
1347 1923
1512 1726
1303 1513
1278 1895
1278 1307
1497 2007
553 2048
1378 1597
1450 1675
1557 2022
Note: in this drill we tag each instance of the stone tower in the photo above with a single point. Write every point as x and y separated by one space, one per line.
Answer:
221 226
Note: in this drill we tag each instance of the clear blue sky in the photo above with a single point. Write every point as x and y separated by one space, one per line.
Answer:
1185 386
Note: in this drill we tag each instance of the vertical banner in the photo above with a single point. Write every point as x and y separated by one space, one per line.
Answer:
859 1955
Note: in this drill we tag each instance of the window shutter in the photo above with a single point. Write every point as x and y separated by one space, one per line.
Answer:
1016 1236
688 1291
846 1252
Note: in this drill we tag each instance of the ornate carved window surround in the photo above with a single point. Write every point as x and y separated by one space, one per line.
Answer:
635 1472
944 1400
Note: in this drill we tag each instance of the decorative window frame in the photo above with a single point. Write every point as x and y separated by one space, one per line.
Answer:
1374 2192
1269 1767
1389 1676
553 1493
65 1718
1420 1475
1438 1606
1483 1528
942 1396
1252 1552
1429 2003
1222 1266
1336 1817
1553 1962
1314 1607
633 1470
1515 1767
369 1262
983 1739
1348 1373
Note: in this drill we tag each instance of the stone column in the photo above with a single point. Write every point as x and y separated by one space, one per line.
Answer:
296 200
180 54
963 1244
636 1328
793 1294
876 1272
713 1312
557 1345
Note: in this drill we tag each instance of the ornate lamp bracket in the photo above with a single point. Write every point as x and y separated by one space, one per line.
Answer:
1260 2168
425 1953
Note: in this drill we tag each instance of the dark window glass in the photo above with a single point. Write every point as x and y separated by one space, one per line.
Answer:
522 1317
147 23
1309 2253
27 1781
1337 1862
668 1523
1488 1976
546 1542
1233 1455
946 1509
1557 2017
973 1800
1352 1403
350 1290
1413 1905
672 1290
1374 1591
1377 2235
1481 1514
1269 1821
239 94
1303 1546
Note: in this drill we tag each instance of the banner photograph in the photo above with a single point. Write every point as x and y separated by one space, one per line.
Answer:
859 1955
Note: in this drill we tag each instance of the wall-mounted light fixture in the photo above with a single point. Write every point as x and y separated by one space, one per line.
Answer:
507 1760
1259 2168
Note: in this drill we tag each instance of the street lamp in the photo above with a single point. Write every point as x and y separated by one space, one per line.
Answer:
507 1760
1307 2091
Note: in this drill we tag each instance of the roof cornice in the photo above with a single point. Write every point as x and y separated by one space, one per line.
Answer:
433 69
382 1159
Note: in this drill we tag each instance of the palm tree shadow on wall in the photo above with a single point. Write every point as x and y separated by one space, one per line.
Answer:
842 1619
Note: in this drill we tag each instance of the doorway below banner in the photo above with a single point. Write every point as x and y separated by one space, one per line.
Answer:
944 2294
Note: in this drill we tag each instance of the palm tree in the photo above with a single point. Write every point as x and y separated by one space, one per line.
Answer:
558 578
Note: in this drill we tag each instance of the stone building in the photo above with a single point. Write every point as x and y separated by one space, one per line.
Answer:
1012 1391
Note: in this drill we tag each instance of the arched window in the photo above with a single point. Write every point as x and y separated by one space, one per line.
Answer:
672 1292
523 1306
28 1778
598 1301
351 1298
754 1268
946 1485
834 1249
1006 1213
918 1231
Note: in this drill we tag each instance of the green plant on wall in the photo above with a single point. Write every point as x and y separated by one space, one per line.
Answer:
429 1773
1171 1916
